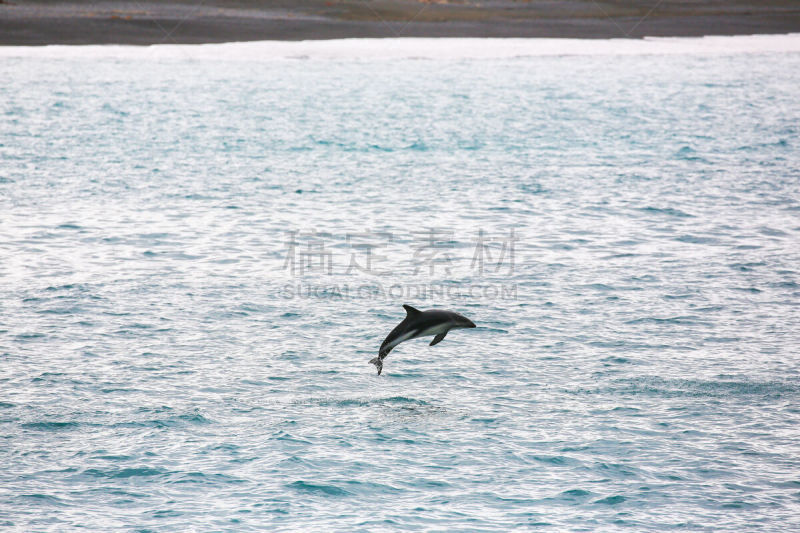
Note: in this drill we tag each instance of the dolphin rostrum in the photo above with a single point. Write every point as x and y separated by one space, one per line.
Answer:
420 324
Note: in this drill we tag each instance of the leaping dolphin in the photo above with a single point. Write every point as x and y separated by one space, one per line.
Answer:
421 324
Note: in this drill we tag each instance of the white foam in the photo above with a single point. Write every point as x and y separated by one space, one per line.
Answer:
425 48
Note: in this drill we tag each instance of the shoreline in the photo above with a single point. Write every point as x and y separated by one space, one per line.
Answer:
423 48
183 22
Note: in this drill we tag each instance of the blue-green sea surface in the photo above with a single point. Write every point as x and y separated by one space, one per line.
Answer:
202 247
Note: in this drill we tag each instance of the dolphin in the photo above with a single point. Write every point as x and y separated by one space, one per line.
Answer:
421 324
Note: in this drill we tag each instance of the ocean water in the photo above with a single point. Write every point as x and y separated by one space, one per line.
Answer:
201 248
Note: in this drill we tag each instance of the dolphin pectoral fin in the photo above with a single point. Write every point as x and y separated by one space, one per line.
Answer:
437 339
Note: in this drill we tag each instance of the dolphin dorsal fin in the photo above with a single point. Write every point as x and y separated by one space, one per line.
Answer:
411 312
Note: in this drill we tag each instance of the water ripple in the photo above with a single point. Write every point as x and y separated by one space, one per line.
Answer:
164 366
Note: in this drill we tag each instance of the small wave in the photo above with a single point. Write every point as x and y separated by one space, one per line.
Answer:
194 418
318 488
363 402
694 239
44 498
598 287
575 493
616 360
373 488
114 457
628 345
747 267
168 422
675 388
67 287
722 339
29 336
557 460
202 478
124 473
689 319
677 296
288 437
669 211
50 426
687 153
753 290
611 500
773 232
62 311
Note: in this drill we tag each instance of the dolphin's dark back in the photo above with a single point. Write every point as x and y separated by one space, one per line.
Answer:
434 316
411 315
398 329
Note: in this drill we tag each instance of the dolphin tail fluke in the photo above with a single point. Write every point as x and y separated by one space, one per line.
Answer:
378 362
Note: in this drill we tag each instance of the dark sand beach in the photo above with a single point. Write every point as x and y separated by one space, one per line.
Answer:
183 21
